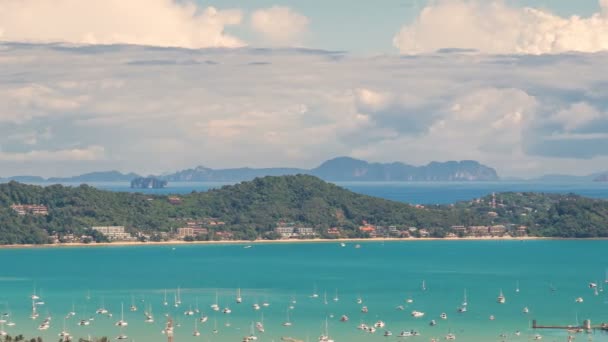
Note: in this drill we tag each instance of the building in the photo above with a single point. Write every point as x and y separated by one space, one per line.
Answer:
478 230
305 231
191 231
459 229
285 232
25 209
114 233
175 200
521 231
497 230
333 232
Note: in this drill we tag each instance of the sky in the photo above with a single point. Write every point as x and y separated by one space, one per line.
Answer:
155 86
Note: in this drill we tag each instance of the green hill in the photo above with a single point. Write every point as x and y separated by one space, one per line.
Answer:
252 209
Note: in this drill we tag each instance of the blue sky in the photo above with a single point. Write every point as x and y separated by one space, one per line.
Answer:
365 27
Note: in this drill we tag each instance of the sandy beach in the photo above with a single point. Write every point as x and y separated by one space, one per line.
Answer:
284 241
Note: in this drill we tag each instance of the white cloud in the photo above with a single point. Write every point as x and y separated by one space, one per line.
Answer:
247 107
90 153
495 27
280 25
145 22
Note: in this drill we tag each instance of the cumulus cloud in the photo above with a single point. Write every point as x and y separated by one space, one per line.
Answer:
523 114
145 22
495 27
280 25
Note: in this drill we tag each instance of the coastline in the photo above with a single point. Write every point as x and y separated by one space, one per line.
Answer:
260 242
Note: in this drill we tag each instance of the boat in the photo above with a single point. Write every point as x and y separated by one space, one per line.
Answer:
255 306
379 324
287 322
178 298
35 313
405 333
450 336
196 332
492 317
417 314
409 300
400 307
251 336
579 300
526 310
359 300
165 302
215 306
314 292
423 285
344 318
517 287
357 246
537 337
239 299
122 322
336 298
501 298
260 325
203 319
133 307
371 330
325 298
325 336
227 310
433 323
248 246
189 312
388 333
443 315
364 309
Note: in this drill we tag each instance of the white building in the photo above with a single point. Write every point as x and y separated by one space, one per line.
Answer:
114 232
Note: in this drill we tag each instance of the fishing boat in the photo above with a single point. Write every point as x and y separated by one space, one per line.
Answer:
501 298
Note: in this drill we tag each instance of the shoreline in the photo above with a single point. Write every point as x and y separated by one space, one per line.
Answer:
260 242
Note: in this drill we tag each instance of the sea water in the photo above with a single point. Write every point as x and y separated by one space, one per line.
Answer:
549 274
410 192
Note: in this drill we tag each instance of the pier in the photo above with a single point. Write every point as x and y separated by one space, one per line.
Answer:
587 326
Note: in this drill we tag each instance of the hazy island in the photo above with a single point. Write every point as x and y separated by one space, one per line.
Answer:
300 206
148 183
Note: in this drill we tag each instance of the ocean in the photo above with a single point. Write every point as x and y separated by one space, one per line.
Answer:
410 192
549 274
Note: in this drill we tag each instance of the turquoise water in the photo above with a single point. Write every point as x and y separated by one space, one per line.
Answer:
410 192
383 274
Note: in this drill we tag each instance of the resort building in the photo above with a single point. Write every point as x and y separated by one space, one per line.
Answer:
25 209
285 232
305 231
115 233
497 230
191 231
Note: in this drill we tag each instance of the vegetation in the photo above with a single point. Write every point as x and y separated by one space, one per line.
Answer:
253 209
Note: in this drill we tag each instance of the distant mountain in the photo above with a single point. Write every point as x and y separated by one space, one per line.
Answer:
204 174
601 178
337 169
570 178
349 169
104 176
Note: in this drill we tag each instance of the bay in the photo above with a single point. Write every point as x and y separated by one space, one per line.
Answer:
384 275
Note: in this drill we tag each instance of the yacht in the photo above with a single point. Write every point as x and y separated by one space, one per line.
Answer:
526 310
122 322
215 306
450 336
325 337
371 330
256 306
314 292
189 312
203 319
462 309
84 322
364 309
537 337
239 299
122 337
251 336
336 298
342 244
177 298
517 287
409 300
227 310
417 314
287 322
400 307
492 317
433 323
379 324
387 333
133 307
443 315
501 298
423 285
359 300
196 332
579 300
344 318
405 333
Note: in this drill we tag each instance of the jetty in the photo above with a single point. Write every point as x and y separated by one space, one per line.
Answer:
587 326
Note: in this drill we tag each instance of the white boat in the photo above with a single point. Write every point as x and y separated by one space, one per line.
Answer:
409 300
492 317
227 310
344 318
215 306
592 285
501 298
388 333
336 298
443 315
196 332
34 313
526 310
325 336
364 309
433 323
251 336
405 333
239 299
371 330
342 244
165 302
122 337
417 314
579 300
359 300
287 322
537 337
325 298
379 324
255 306
122 322
517 287
450 336
177 298
423 285
314 292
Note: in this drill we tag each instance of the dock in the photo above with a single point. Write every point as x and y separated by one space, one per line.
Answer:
587 326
